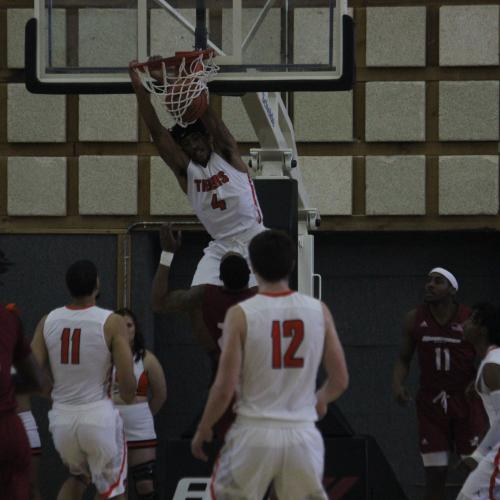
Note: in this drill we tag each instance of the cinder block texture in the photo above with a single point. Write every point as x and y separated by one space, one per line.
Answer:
107 37
468 185
265 47
35 117
36 186
395 111
167 34
108 185
236 118
395 36
468 111
328 183
323 116
108 118
311 36
468 35
167 198
395 185
16 23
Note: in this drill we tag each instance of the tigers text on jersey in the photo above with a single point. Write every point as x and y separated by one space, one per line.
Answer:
281 356
223 198
79 357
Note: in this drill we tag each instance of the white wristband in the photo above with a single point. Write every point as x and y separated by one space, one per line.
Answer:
166 258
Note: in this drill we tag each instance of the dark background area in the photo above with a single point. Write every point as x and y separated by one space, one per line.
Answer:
370 280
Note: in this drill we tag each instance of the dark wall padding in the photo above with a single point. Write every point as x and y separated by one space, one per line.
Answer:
370 280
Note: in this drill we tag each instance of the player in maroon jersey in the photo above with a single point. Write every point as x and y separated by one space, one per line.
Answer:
15 351
206 304
449 420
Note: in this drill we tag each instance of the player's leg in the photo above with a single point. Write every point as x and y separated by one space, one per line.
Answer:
100 432
301 471
141 467
435 438
246 465
36 450
483 482
14 458
470 424
140 434
207 270
73 488
63 425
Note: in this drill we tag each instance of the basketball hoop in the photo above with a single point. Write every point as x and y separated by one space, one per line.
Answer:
180 82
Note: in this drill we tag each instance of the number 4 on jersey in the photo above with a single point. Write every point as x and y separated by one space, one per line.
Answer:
293 328
216 203
75 346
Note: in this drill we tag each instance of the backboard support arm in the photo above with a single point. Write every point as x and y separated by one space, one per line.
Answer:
278 158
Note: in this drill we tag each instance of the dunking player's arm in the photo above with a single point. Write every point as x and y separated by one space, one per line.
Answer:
223 141
116 335
403 361
228 373
168 149
335 365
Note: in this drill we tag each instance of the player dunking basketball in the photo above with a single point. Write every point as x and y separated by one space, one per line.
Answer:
273 344
204 158
80 343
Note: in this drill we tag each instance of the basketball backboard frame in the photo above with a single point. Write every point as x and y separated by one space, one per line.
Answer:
238 80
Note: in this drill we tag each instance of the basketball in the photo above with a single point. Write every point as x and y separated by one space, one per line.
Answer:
179 99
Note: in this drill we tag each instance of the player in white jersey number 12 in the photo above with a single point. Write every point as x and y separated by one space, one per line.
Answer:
80 342
205 159
273 345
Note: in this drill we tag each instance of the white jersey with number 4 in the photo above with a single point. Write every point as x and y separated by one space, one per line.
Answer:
223 198
79 357
281 357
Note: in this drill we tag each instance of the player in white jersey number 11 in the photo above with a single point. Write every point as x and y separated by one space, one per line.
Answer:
80 343
272 347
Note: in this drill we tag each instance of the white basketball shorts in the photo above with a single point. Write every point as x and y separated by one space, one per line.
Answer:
90 440
32 431
207 271
138 425
483 482
257 452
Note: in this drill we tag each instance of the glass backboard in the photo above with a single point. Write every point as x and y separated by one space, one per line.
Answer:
84 46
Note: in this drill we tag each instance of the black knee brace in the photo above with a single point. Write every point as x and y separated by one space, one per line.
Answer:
144 472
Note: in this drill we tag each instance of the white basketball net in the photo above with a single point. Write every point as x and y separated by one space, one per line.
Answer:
176 90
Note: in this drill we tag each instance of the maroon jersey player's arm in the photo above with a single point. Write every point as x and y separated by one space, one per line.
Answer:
224 143
403 361
169 150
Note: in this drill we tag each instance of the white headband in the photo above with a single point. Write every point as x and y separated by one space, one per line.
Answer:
447 275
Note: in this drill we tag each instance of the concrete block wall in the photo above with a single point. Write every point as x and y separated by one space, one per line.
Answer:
419 129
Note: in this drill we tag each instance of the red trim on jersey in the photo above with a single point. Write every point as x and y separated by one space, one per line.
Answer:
212 480
79 308
277 294
491 491
109 491
36 452
147 443
254 196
